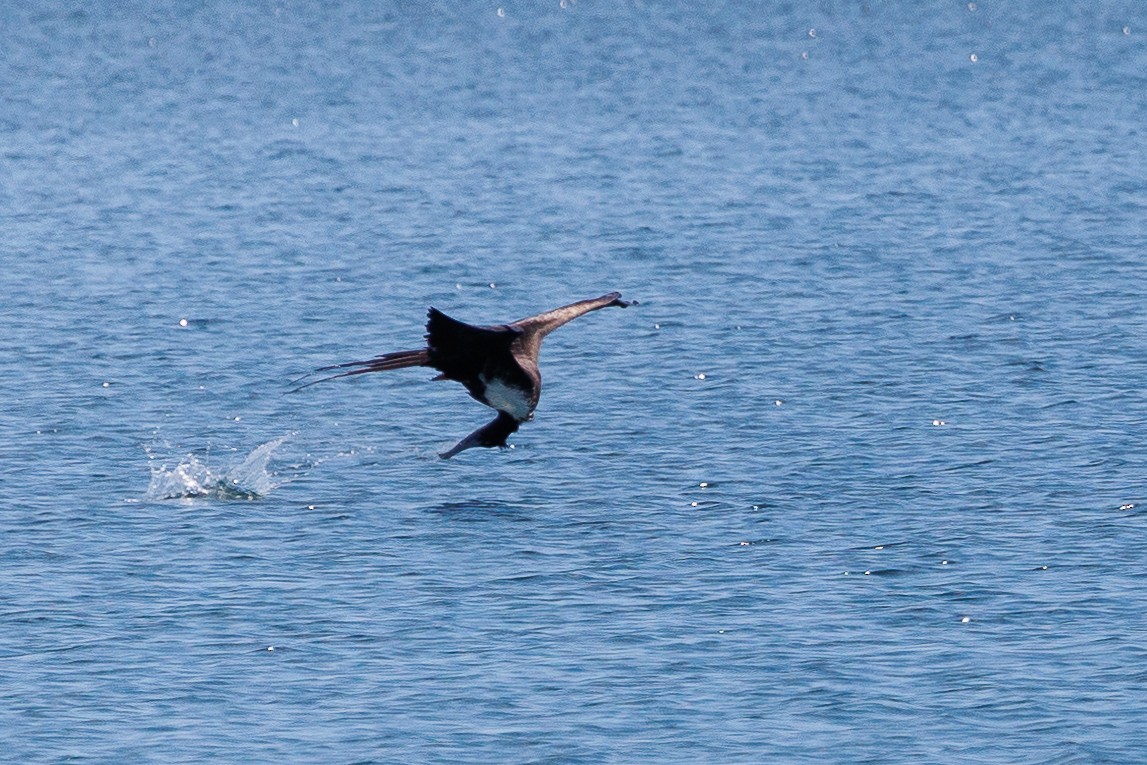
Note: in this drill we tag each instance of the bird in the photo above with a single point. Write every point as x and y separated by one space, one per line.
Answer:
497 364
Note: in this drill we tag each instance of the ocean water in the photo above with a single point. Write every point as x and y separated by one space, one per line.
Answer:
860 480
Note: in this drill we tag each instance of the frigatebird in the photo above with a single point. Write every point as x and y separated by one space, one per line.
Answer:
497 364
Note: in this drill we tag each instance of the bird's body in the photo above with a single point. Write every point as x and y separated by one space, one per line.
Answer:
497 364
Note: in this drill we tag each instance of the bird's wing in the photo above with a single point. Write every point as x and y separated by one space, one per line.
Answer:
547 322
460 351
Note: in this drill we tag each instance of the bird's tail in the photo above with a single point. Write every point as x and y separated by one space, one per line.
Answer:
387 361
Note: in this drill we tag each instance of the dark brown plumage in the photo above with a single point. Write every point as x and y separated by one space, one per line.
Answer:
497 364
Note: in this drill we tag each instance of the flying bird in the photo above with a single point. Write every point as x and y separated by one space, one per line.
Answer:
497 364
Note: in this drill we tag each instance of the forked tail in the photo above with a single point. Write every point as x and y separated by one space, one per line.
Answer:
383 363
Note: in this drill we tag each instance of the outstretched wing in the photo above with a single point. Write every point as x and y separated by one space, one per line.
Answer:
461 351
545 323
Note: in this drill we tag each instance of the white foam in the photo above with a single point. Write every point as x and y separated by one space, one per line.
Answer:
193 477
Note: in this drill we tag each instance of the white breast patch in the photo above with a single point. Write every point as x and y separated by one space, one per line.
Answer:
505 398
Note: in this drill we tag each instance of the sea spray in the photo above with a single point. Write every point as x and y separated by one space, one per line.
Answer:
250 479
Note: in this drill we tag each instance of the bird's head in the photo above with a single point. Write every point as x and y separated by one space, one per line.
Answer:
492 434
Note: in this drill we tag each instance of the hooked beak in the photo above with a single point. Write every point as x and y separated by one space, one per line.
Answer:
491 434
466 443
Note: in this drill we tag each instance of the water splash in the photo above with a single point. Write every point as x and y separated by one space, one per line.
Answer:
192 477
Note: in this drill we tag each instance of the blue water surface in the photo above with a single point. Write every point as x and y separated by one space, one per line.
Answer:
860 480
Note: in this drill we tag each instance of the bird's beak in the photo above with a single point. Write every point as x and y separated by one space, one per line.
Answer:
466 443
